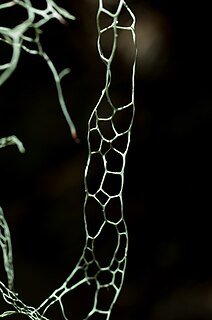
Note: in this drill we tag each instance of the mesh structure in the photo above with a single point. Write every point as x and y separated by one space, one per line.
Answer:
103 261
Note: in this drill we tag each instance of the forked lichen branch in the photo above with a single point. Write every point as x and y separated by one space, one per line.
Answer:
18 40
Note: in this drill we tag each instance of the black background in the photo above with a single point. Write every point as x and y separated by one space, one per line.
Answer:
167 194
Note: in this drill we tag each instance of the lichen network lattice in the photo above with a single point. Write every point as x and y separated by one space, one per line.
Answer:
107 277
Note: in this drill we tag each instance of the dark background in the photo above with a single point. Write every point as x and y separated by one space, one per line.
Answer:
167 193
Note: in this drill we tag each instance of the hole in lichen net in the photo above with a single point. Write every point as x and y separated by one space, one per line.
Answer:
88 256
121 252
54 312
94 216
38 4
114 161
105 245
95 140
92 270
105 297
105 277
105 20
13 16
118 278
120 143
31 45
79 302
95 173
106 42
105 110
112 184
125 18
102 197
120 89
113 210
122 120
106 129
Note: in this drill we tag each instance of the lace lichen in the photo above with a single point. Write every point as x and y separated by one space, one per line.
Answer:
106 277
